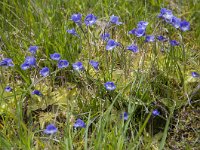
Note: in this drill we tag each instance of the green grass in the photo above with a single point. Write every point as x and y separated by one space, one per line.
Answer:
145 81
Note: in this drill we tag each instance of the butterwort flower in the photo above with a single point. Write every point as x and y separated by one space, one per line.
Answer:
55 56
33 49
133 48
44 71
165 14
7 62
76 18
161 38
195 74
111 44
115 20
72 31
63 64
50 129
176 22
139 32
30 61
25 66
105 36
184 26
150 38
110 86
94 64
142 24
78 66
90 19
155 112
174 43
36 92
8 89
79 124
124 116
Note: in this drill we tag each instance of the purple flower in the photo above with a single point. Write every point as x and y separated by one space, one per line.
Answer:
195 74
7 62
166 14
184 25
132 31
8 89
72 31
30 61
105 36
115 20
133 48
55 56
76 18
124 116
79 124
110 86
176 22
142 24
25 66
111 44
33 49
50 129
36 92
139 32
94 64
150 38
90 19
78 66
63 64
155 112
174 43
44 71
161 38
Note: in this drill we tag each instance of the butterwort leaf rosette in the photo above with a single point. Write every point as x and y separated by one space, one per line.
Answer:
78 66
150 38
76 18
8 88
63 64
33 49
184 26
133 48
111 44
79 124
55 56
44 71
7 62
195 75
115 20
94 64
36 92
110 86
50 129
90 19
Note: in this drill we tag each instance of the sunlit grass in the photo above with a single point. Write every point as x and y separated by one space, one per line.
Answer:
157 77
